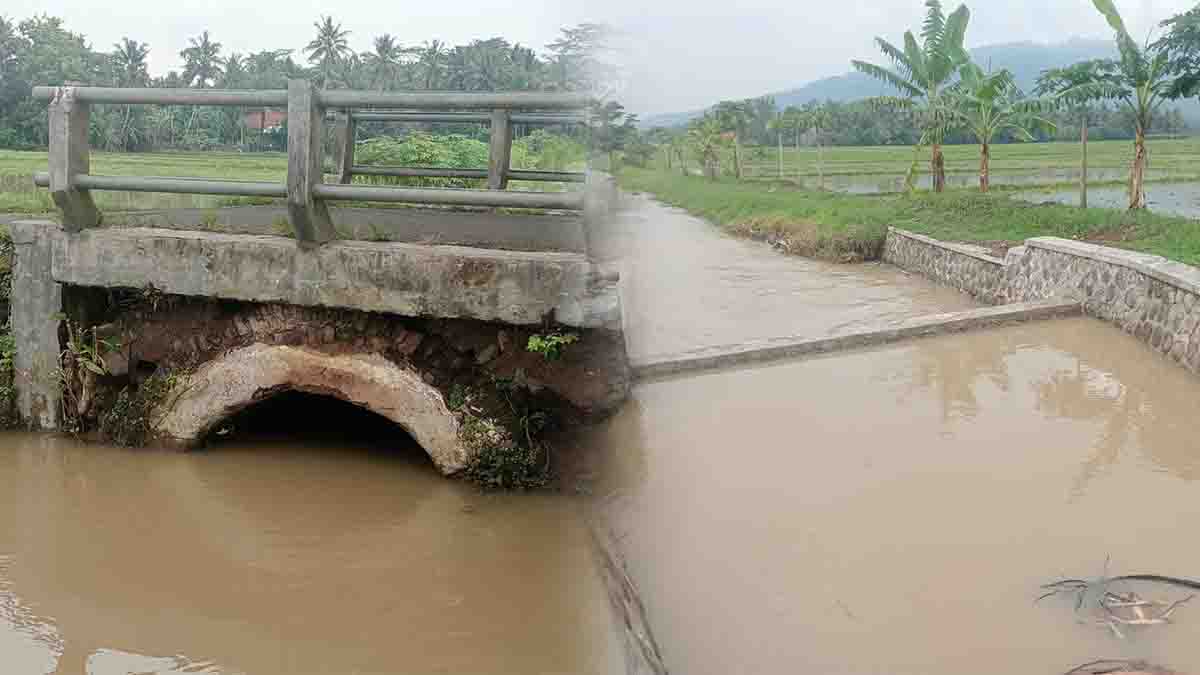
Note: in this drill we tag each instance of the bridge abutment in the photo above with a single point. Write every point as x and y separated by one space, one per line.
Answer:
433 338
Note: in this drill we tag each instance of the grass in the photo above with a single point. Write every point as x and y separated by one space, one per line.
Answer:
19 195
1033 163
846 227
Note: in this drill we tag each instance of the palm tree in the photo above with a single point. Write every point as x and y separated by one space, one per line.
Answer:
734 117
432 64
129 70
202 61
328 48
235 74
921 72
129 62
385 61
707 137
527 68
988 103
1142 79
818 119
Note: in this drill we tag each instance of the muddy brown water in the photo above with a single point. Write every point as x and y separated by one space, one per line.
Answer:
894 510
684 285
279 555
890 510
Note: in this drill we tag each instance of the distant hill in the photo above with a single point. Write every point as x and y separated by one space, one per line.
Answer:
1026 60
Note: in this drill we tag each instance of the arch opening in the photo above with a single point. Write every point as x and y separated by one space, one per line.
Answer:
312 420
248 376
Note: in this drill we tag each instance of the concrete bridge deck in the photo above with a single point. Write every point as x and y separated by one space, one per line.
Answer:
415 225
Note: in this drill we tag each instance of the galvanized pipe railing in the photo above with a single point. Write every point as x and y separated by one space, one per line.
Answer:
451 172
71 182
146 96
450 196
545 119
195 186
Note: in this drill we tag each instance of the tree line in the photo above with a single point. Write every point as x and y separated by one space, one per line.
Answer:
40 50
943 97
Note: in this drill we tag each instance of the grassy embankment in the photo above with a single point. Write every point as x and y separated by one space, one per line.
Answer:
847 227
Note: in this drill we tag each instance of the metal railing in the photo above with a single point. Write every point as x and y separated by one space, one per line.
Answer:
71 182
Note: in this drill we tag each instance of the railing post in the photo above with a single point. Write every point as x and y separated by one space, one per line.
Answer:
499 150
343 132
69 156
309 216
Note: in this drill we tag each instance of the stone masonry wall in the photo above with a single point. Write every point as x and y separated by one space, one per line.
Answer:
963 267
1150 297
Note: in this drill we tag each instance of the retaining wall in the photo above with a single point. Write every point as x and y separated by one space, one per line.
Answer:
1148 296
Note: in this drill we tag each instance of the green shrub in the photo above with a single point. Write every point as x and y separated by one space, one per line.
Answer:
550 345
423 150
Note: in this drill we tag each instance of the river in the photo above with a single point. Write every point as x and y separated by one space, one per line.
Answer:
884 510
287 553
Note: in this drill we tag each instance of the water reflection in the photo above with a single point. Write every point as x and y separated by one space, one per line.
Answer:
891 510
952 370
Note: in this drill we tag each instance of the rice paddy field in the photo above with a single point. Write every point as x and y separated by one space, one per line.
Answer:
1016 165
19 195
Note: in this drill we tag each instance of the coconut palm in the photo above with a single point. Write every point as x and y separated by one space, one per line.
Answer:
385 61
921 72
1142 79
235 75
328 48
988 103
129 62
431 64
202 61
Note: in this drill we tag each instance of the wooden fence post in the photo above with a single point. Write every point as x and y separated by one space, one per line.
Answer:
69 156
344 133
499 150
309 216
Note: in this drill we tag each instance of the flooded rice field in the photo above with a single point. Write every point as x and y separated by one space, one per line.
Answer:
895 510
1176 199
879 183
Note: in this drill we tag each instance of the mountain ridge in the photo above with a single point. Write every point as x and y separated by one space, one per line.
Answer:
1025 59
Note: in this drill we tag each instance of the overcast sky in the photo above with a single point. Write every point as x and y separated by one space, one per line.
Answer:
680 54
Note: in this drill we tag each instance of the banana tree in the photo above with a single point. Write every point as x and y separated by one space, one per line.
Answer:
818 119
989 103
921 72
707 137
1142 79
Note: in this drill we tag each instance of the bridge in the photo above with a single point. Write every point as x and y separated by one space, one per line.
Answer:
407 328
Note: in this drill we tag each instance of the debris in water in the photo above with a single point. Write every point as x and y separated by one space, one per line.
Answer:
1119 667
1104 602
